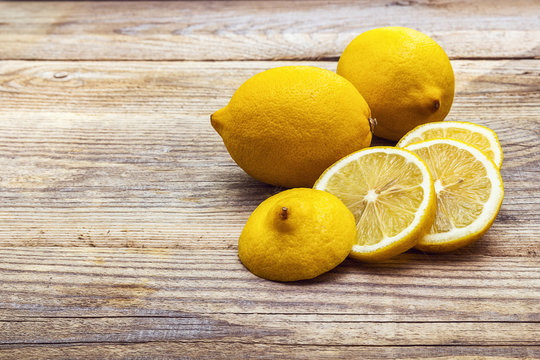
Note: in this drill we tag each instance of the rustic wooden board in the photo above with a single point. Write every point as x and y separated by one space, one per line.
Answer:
120 154
69 298
218 349
121 208
100 282
257 30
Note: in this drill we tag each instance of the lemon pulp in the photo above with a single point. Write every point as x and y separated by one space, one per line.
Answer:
469 193
479 136
391 195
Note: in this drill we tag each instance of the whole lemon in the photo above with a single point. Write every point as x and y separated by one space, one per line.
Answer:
404 75
286 125
297 234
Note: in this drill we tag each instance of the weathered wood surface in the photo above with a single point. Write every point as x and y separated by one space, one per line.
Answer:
100 282
207 350
120 207
120 154
69 298
255 30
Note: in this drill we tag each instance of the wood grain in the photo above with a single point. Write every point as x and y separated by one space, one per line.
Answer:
122 154
120 207
73 298
258 30
218 349
99 282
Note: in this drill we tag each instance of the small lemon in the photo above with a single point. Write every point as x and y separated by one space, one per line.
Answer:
404 75
297 234
286 125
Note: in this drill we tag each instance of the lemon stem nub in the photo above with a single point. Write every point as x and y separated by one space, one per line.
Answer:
436 104
284 213
372 124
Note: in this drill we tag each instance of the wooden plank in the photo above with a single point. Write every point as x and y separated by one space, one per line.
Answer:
285 330
122 154
212 285
59 298
121 208
238 350
257 30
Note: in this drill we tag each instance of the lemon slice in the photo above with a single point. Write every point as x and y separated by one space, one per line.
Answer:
391 195
479 136
469 193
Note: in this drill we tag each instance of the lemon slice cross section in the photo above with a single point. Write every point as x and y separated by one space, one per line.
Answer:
469 192
479 136
391 194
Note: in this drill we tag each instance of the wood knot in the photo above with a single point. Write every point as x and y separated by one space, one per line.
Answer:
60 75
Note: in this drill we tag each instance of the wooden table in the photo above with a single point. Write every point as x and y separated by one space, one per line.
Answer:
121 208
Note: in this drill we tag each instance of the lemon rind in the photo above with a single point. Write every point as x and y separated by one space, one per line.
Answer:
464 236
487 132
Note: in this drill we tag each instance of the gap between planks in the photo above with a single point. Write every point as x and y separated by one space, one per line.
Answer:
315 60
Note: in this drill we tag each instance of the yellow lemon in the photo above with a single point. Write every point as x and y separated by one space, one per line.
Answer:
286 125
469 193
391 194
405 77
479 136
297 234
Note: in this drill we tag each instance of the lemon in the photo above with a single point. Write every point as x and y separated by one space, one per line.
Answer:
405 77
286 125
469 193
479 136
297 234
390 192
